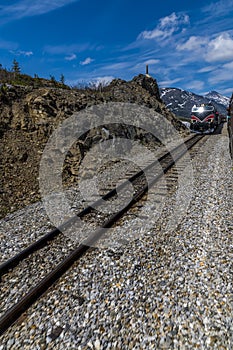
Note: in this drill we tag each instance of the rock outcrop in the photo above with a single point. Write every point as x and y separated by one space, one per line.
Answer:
29 115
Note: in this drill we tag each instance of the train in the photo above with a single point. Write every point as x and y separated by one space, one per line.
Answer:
204 118
230 125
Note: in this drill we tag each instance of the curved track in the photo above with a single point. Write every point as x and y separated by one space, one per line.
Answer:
166 162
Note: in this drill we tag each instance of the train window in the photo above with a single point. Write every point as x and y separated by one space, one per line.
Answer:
201 109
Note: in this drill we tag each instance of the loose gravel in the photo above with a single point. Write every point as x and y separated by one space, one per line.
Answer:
154 287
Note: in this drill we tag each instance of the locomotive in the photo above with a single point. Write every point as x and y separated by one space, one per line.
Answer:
230 125
204 118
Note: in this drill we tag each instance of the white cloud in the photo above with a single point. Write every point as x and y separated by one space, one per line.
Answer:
22 53
195 85
220 49
28 8
88 60
117 66
206 69
228 91
166 27
193 43
218 8
141 66
228 65
71 57
26 53
167 83
151 61
219 77
222 74
156 33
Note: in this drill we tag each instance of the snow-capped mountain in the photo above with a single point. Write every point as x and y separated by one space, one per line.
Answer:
218 98
180 102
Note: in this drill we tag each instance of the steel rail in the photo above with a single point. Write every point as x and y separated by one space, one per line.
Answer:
12 315
41 242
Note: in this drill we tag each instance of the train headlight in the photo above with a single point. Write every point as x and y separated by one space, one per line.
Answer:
193 119
210 119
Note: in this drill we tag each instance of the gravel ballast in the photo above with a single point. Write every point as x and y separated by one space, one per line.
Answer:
163 290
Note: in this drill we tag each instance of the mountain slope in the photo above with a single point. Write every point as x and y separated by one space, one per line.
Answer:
180 102
218 98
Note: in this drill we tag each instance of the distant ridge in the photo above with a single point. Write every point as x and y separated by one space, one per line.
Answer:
218 98
181 101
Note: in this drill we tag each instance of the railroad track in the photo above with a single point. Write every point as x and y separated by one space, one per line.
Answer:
141 186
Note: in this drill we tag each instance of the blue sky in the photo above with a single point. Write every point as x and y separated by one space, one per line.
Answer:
188 45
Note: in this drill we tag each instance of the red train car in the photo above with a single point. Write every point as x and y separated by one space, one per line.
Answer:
230 125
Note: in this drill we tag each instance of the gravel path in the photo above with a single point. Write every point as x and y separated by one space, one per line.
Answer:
164 290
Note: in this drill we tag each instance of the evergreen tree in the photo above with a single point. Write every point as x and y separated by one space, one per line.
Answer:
62 79
52 78
15 67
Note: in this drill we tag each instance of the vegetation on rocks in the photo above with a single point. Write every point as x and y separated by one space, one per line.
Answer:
14 76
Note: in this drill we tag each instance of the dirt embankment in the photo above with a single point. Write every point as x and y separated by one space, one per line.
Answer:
28 116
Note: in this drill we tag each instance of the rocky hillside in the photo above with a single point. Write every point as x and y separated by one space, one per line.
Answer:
28 116
216 97
180 102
